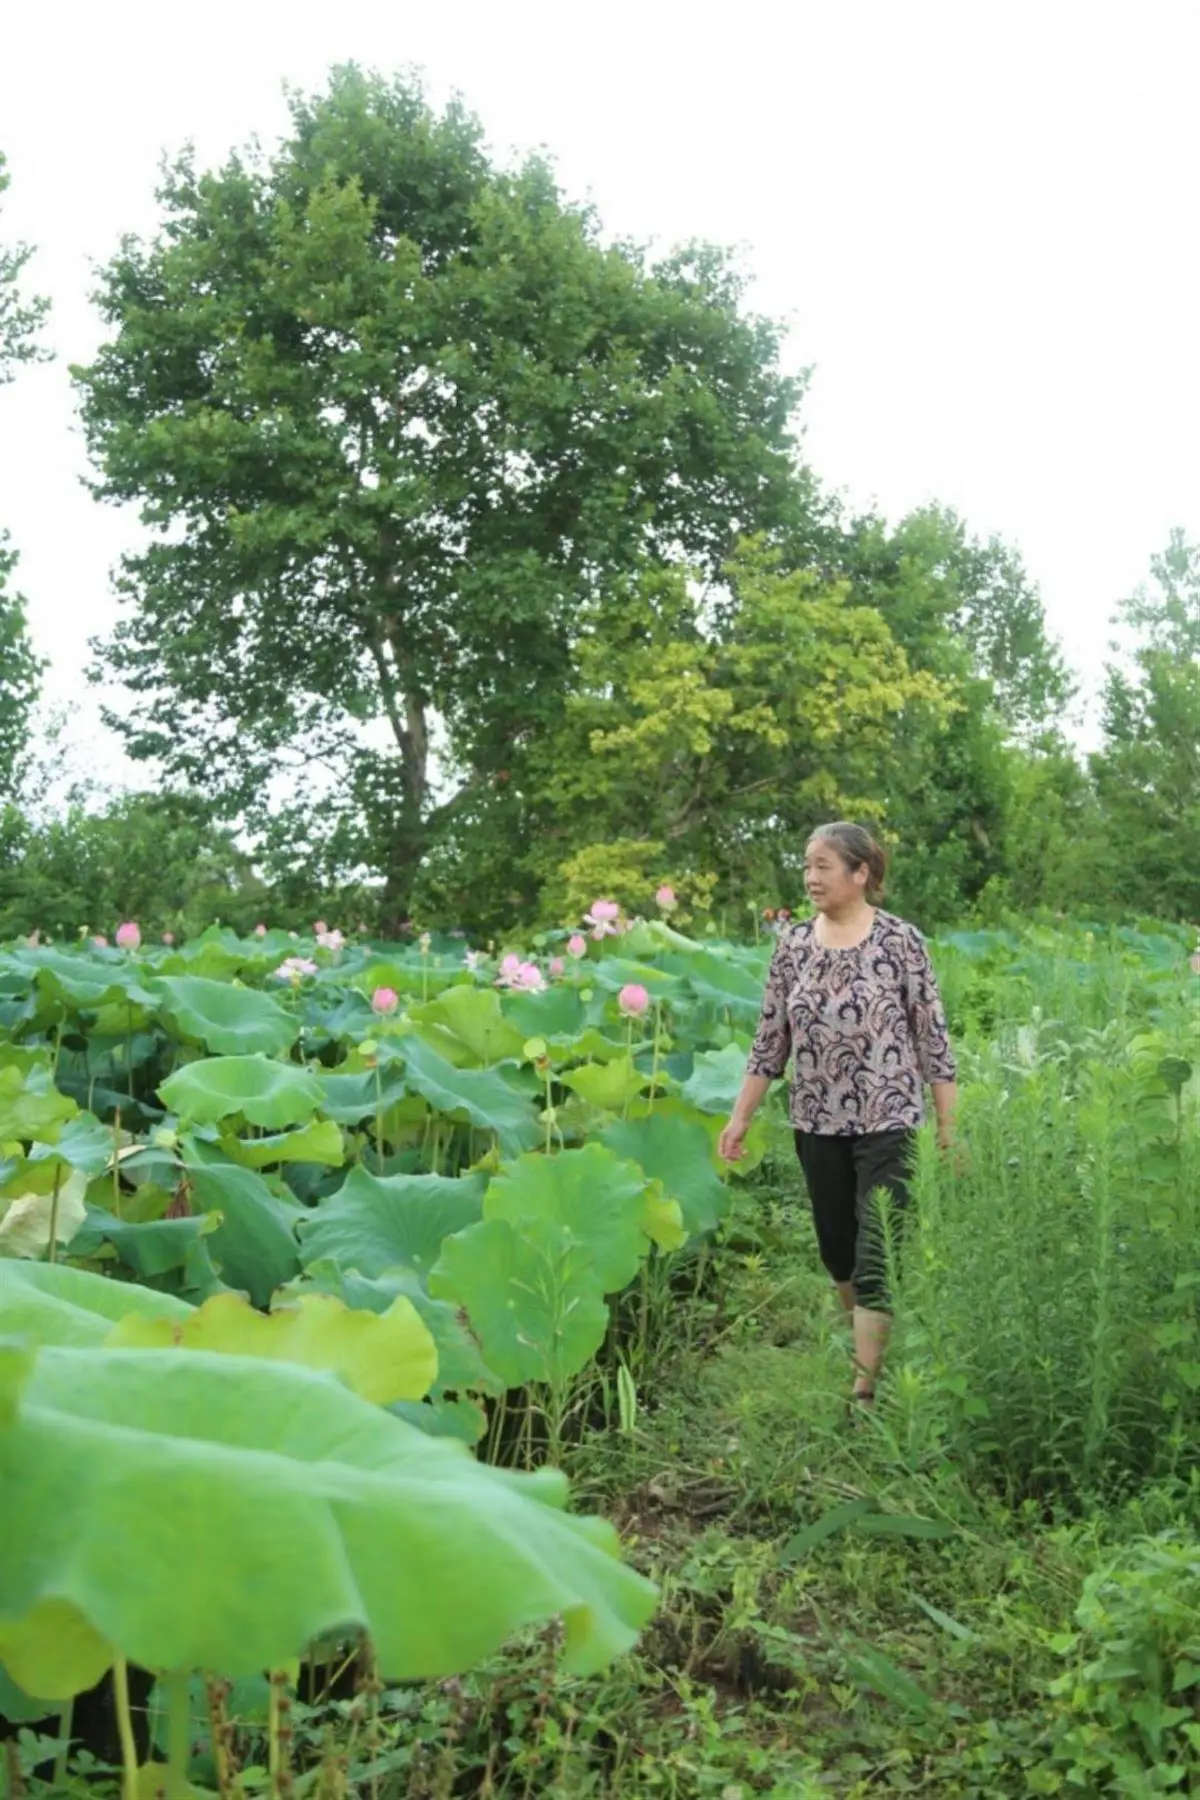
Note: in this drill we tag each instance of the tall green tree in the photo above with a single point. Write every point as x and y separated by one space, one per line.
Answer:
395 416
705 735
1147 773
20 669
964 610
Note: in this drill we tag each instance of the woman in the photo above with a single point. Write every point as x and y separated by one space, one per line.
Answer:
852 1001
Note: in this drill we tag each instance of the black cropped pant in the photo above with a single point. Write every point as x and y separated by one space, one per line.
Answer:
843 1176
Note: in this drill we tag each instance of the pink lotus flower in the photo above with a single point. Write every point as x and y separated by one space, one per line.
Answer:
294 968
100 942
320 928
168 937
558 967
603 918
665 898
331 940
472 960
260 931
129 935
384 1000
521 977
33 940
633 1000
576 945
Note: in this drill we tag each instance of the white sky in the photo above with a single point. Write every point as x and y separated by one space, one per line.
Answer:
978 216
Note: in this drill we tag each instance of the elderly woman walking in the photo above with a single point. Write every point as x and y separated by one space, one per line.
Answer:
852 1002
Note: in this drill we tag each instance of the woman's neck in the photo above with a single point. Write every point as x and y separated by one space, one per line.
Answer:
845 927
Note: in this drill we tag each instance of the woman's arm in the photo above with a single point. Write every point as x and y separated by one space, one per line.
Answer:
931 1037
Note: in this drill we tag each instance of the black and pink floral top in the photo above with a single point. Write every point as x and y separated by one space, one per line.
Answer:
864 1029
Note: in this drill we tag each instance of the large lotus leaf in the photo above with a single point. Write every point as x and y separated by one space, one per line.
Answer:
461 1368
31 1107
83 1143
210 959
84 984
713 1124
53 1645
270 1094
231 1021
463 1420
466 1026
678 1152
19 1708
29 1220
213 1512
413 978
382 1356
721 982
320 1141
150 1248
609 1086
593 1046
555 1014
255 1243
616 972
716 1080
605 1204
53 1303
351 1096
480 1095
376 1222
532 1295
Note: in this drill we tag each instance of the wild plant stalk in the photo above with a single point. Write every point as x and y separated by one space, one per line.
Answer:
52 1248
179 1732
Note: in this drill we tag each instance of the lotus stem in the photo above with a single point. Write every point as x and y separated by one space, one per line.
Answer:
221 1736
657 1035
129 1757
66 1720
53 1245
117 1164
179 1731
279 1736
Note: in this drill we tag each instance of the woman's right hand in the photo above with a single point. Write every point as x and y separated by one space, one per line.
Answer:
732 1140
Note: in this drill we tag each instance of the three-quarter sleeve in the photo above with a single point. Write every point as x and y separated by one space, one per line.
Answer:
772 1046
927 1016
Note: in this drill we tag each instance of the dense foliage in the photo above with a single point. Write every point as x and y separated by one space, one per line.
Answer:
281 1220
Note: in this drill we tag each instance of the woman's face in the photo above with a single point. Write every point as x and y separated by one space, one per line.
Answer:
832 887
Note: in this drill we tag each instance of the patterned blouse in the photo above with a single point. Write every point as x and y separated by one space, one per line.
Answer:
864 1029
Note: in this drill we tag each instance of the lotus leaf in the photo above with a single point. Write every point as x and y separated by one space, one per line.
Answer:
608 1206
532 1294
609 1086
678 1152
230 1021
465 1025
270 1094
213 1512
374 1223
27 1221
255 1241
716 1079
31 1107
52 1303
384 1357
480 1095
320 1141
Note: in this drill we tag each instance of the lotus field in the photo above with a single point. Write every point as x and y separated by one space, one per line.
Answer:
316 1257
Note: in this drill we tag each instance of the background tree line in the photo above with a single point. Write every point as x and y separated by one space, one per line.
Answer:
483 573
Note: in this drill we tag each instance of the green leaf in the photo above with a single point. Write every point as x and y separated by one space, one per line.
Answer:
555 1014
352 1096
230 1021
533 1298
385 1357
716 1080
271 1506
320 1141
678 1153
31 1107
604 1204
157 1247
609 1086
254 1244
481 1096
461 1368
375 1223
84 984
835 1520
465 1025
53 1303
907 1525
271 1094
877 1671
